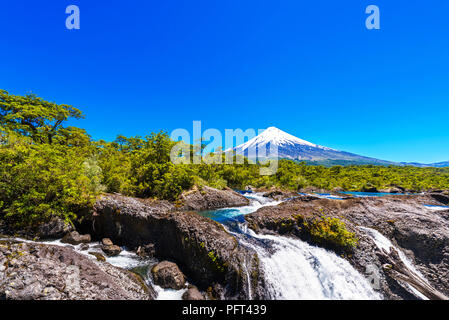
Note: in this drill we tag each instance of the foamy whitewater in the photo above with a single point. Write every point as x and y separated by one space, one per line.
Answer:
126 260
384 243
297 270
293 269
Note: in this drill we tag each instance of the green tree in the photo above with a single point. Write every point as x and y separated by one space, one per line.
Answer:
34 117
41 181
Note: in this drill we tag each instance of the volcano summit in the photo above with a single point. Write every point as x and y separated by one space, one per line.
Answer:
291 147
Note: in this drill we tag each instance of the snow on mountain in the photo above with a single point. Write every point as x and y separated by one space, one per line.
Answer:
275 136
294 148
291 147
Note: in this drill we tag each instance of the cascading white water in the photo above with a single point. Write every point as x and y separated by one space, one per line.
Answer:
383 243
260 200
126 260
293 269
257 201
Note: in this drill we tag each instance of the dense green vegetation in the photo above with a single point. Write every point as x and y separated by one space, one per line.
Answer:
331 231
48 169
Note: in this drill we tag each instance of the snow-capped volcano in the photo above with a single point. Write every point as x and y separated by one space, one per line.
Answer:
279 138
291 147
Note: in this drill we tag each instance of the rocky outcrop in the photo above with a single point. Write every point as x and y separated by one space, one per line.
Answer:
167 275
314 190
369 189
110 249
54 229
392 190
398 270
146 251
279 194
193 294
440 198
205 252
106 242
209 198
75 238
421 233
32 271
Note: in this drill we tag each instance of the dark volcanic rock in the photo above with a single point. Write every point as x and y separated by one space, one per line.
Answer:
202 248
146 251
106 242
32 271
167 275
75 238
441 198
193 294
273 194
54 229
421 233
209 198
369 189
392 190
111 251
279 194
109 248
313 190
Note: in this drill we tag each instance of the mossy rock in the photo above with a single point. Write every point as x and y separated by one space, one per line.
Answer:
99 256
331 232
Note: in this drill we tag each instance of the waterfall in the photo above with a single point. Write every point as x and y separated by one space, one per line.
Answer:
248 278
294 269
384 243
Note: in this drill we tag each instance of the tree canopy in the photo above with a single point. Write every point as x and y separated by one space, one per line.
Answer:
49 170
34 117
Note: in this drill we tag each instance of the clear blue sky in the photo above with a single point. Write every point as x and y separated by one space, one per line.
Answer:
310 68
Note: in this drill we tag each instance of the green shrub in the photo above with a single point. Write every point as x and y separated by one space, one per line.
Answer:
41 181
331 231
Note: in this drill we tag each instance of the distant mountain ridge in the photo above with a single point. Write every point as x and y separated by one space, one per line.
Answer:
294 148
435 165
440 164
